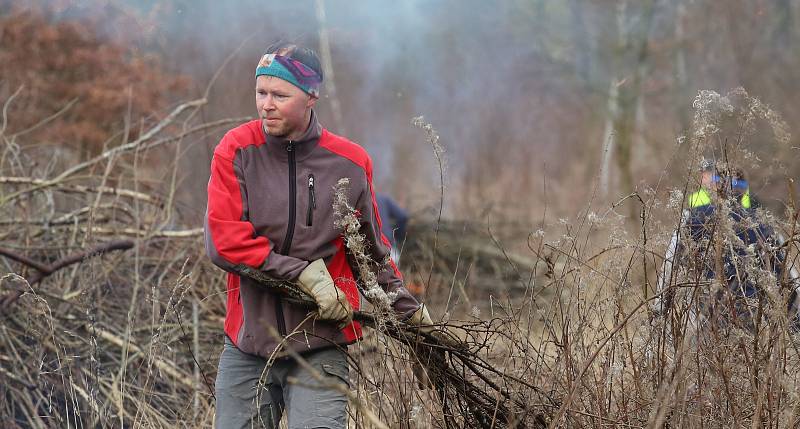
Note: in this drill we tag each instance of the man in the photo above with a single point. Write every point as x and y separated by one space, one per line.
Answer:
709 180
752 236
724 242
270 198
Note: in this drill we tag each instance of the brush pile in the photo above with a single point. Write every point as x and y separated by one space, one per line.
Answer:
109 315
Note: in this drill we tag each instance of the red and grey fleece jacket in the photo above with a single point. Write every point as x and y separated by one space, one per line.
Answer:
270 207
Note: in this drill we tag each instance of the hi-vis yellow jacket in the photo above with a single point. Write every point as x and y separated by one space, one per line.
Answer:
702 198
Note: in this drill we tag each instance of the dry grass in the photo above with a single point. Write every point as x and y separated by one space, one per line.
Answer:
112 315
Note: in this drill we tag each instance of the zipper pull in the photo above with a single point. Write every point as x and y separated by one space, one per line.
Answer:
312 201
311 190
290 146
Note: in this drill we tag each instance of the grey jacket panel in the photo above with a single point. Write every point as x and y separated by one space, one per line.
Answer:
264 174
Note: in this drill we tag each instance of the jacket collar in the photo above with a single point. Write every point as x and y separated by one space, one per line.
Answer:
302 146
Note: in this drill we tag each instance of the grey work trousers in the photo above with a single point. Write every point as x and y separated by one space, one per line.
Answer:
248 396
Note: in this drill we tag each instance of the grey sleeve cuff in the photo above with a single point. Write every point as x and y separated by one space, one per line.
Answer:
283 267
405 304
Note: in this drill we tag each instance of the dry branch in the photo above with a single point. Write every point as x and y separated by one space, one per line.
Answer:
63 326
39 184
462 379
162 365
47 270
134 145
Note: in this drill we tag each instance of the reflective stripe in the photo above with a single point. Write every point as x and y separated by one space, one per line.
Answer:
746 199
699 199
702 198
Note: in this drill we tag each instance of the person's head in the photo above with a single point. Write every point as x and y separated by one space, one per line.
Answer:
707 171
730 182
738 182
288 78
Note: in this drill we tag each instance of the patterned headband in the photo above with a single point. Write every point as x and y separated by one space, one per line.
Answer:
290 70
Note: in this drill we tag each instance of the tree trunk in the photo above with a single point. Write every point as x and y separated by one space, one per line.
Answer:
327 68
630 92
612 107
681 74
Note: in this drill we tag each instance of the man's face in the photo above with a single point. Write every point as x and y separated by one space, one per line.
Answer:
282 107
707 179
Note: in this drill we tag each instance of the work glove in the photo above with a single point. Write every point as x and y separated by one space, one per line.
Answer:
422 320
316 281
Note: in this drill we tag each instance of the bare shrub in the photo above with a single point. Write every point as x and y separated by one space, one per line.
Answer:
111 314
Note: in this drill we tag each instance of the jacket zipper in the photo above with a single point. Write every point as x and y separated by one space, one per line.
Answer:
312 201
287 241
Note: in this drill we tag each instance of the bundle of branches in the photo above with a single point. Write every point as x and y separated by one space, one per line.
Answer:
472 391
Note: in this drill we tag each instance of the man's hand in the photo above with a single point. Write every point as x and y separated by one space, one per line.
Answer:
315 280
422 320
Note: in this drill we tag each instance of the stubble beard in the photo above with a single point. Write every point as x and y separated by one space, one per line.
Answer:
280 132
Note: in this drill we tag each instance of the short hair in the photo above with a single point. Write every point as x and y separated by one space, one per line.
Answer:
304 55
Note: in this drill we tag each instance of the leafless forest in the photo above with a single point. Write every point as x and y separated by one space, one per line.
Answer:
544 148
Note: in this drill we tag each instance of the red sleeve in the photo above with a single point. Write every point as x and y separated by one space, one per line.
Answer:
229 239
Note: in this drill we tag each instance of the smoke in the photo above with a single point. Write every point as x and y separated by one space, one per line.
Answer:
513 88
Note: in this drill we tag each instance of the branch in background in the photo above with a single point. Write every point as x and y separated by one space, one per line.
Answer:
165 366
39 184
136 143
24 260
42 183
47 270
46 120
5 109
200 128
185 233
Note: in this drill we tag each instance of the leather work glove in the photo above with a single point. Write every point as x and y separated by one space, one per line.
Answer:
422 320
316 281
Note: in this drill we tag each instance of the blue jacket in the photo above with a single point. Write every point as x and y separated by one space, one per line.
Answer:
394 219
761 238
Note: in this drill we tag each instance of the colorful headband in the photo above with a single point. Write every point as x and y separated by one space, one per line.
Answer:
290 70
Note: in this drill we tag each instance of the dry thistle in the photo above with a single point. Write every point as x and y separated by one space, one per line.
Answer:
438 151
346 219
431 136
713 109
